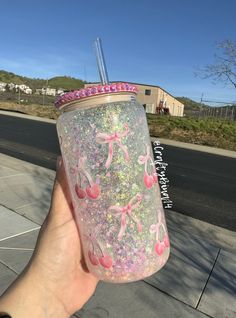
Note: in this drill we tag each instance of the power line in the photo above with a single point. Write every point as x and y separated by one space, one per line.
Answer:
212 101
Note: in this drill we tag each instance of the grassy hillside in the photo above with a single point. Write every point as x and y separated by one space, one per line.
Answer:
64 82
8 77
190 104
209 132
32 109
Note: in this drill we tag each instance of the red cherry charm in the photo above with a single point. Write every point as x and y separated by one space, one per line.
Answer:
106 261
166 241
159 248
148 180
94 191
154 177
93 258
80 192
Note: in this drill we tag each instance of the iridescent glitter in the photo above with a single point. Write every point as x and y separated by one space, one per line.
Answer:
108 160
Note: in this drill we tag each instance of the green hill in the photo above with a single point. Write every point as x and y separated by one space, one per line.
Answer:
64 82
190 104
8 77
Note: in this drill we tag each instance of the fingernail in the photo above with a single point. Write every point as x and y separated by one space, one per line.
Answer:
59 162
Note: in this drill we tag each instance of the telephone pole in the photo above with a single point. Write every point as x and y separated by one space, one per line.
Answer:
19 95
44 92
200 113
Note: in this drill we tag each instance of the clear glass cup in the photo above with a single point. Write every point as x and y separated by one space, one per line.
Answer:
108 158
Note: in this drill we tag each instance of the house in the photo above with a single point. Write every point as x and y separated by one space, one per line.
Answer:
15 88
10 86
23 88
28 91
60 91
46 91
50 91
3 86
155 99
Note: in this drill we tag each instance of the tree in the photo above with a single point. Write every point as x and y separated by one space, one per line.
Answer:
224 68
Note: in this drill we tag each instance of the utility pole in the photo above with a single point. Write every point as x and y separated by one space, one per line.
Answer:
201 105
43 97
44 92
19 95
201 100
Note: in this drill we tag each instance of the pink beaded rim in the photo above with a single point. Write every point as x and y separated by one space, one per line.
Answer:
94 91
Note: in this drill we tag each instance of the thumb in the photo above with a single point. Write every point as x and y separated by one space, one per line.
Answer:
61 204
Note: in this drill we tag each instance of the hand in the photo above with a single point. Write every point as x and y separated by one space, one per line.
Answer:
56 276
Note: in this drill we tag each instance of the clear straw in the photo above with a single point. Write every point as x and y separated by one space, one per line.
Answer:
101 62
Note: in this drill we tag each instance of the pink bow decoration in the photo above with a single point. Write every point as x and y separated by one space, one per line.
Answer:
154 228
111 139
144 159
127 210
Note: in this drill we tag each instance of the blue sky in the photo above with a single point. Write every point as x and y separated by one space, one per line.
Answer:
146 41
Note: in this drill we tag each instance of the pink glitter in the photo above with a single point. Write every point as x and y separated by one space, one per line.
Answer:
94 90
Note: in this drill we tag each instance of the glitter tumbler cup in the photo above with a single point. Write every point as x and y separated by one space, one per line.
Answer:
108 159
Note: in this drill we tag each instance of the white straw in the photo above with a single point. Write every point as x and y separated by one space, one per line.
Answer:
101 62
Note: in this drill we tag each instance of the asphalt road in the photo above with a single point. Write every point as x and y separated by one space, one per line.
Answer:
202 185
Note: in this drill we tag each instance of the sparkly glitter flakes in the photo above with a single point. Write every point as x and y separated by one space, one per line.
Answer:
116 197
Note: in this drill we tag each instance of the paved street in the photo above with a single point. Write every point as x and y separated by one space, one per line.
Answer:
202 185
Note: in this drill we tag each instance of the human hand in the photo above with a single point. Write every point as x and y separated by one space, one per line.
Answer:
56 275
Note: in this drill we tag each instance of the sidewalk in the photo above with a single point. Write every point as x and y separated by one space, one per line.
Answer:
199 279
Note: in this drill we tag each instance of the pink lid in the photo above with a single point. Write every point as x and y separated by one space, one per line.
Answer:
94 91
